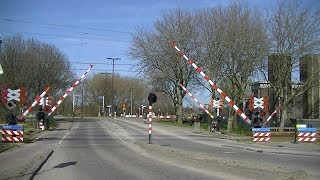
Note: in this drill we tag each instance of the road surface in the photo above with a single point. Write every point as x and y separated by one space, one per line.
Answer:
109 148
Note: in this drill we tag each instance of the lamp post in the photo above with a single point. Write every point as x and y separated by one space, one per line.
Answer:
112 91
106 75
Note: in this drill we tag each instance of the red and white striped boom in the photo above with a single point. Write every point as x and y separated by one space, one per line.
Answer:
35 102
195 99
215 86
69 91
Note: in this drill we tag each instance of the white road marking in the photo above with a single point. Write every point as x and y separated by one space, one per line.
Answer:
41 135
229 152
64 137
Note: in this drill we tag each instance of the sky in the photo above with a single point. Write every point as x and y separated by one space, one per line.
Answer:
91 31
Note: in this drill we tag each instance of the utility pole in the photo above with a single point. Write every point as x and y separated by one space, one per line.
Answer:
0 43
73 105
131 103
112 83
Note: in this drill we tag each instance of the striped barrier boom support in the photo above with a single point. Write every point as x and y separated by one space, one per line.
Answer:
215 86
198 102
35 102
69 91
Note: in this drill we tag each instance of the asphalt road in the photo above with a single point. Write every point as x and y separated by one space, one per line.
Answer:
189 141
118 149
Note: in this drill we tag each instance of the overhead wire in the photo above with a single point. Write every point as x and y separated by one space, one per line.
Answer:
65 26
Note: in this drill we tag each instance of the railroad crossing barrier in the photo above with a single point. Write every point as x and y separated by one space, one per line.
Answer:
261 135
12 133
306 134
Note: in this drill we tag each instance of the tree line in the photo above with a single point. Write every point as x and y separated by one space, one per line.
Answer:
232 44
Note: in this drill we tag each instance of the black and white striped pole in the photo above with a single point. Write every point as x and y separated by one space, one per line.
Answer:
152 98
150 123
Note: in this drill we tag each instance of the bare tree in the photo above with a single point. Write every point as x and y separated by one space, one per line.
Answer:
35 65
163 66
126 90
294 32
234 45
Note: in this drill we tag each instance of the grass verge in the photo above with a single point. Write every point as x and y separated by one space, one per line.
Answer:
29 131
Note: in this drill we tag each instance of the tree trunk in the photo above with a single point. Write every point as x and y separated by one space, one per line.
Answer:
235 121
179 105
284 116
230 120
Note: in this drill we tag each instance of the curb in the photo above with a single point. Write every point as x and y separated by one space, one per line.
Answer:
255 149
38 165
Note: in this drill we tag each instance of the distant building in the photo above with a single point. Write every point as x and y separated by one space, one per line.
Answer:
309 66
278 75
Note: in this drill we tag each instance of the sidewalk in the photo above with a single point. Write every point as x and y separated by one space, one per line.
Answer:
245 143
22 162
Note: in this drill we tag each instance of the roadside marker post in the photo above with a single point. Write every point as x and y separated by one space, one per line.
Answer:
261 135
12 133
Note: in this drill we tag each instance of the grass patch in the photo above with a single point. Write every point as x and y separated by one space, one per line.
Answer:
173 123
7 146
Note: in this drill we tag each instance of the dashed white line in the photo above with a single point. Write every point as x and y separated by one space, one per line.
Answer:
64 137
41 135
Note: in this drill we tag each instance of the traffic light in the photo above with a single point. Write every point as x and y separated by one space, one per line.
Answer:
152 98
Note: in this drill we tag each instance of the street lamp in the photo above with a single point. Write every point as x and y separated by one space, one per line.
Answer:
106 74
112 91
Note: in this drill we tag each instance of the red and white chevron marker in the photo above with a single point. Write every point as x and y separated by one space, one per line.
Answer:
12 139
198 102
12 132
307 137
150 123
261 136
215 86
69 91
35 102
